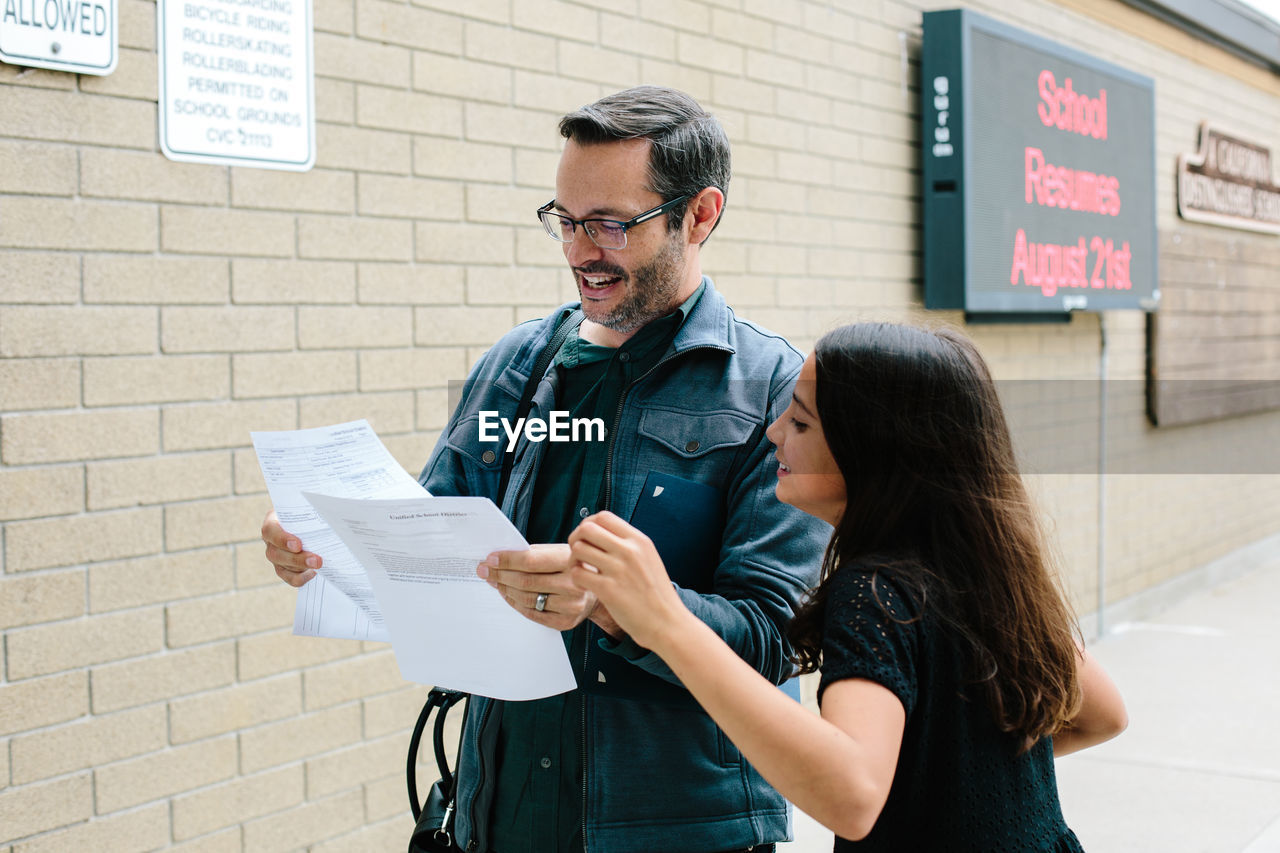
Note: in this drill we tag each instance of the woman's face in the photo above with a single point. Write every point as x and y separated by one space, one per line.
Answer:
808 477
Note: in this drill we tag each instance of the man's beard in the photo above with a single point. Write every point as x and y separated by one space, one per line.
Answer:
652 293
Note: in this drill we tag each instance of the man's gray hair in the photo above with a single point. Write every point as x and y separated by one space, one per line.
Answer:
689 151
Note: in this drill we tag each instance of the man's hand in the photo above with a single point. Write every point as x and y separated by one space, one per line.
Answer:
521 576
293 565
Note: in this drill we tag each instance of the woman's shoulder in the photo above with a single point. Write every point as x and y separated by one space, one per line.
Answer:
893 585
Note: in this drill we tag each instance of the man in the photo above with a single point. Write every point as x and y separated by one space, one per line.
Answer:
628 763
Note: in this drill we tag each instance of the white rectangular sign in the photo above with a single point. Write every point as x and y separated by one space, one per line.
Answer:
237 82
62 35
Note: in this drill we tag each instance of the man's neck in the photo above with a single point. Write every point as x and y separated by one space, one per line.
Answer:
607 337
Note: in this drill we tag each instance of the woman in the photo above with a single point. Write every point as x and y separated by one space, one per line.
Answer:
951 668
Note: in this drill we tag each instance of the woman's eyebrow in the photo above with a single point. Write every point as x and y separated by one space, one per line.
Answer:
796 399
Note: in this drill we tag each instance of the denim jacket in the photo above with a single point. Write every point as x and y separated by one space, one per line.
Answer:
658 775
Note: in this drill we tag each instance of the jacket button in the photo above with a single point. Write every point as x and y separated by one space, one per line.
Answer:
545 763
691 446
488 456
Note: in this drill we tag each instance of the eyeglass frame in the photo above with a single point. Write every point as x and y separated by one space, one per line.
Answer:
639 219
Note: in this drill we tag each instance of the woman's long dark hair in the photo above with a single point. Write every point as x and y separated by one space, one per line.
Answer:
935 500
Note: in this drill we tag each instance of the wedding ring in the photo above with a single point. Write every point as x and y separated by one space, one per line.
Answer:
541 604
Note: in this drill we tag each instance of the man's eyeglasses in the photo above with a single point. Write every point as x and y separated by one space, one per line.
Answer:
605 233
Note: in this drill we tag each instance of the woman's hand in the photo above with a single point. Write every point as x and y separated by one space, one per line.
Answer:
620 565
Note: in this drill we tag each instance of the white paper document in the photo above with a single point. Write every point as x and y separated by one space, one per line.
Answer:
449 627
348 460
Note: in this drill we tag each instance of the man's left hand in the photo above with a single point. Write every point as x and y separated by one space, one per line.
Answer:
521 576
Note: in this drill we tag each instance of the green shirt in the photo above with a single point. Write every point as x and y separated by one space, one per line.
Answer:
540 788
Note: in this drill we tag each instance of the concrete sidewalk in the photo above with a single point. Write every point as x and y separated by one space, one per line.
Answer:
1198 770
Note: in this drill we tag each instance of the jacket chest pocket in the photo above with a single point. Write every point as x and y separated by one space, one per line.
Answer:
480 461
709 441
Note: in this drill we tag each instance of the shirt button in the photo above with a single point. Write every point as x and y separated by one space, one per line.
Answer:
624 356
545 762
584 512
488 456
691 446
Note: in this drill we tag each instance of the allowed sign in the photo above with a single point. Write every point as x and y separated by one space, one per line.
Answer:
79 36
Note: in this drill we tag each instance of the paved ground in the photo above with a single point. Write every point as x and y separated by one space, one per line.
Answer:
1198 770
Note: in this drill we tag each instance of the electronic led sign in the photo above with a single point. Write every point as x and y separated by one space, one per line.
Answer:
1039 173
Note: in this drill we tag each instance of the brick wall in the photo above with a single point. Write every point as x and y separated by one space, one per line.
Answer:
152 313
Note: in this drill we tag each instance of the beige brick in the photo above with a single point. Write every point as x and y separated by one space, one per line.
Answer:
247 475
365 762
237 801
238 707
684 14
164 774
70 117
229 232
404 370
433 408
136 76
608 67
505 205
149 176
737 28
347 680
622 32
496 11
362 61
41 277
41 383
347 238
87 743
450 326
65 541
299 737
74 436
219 617
397 23
292 282
37 169
139 830
521 49
333 16
280 651
76 330
227 841
408 111
49 223
294 373
363 149
461 78
393 713
335 101
387 413
45 597
511 126
540 90
39 702
35 492
154 280
49 805
461 160
306 824
318 190
361 327
157 480
59 646
384 798
409 284
411 451
387 835
463 243
225 329
163 676
138 24
515 286
557 18
213 425
154 379
213 522
159 579
701 51
410 198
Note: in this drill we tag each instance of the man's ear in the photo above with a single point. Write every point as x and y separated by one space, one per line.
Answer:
703 212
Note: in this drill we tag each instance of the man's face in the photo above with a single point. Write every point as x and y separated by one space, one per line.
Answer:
621 289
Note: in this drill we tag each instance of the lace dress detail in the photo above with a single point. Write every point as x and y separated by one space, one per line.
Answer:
960 784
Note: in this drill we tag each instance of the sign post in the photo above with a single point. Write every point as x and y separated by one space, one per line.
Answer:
237 82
